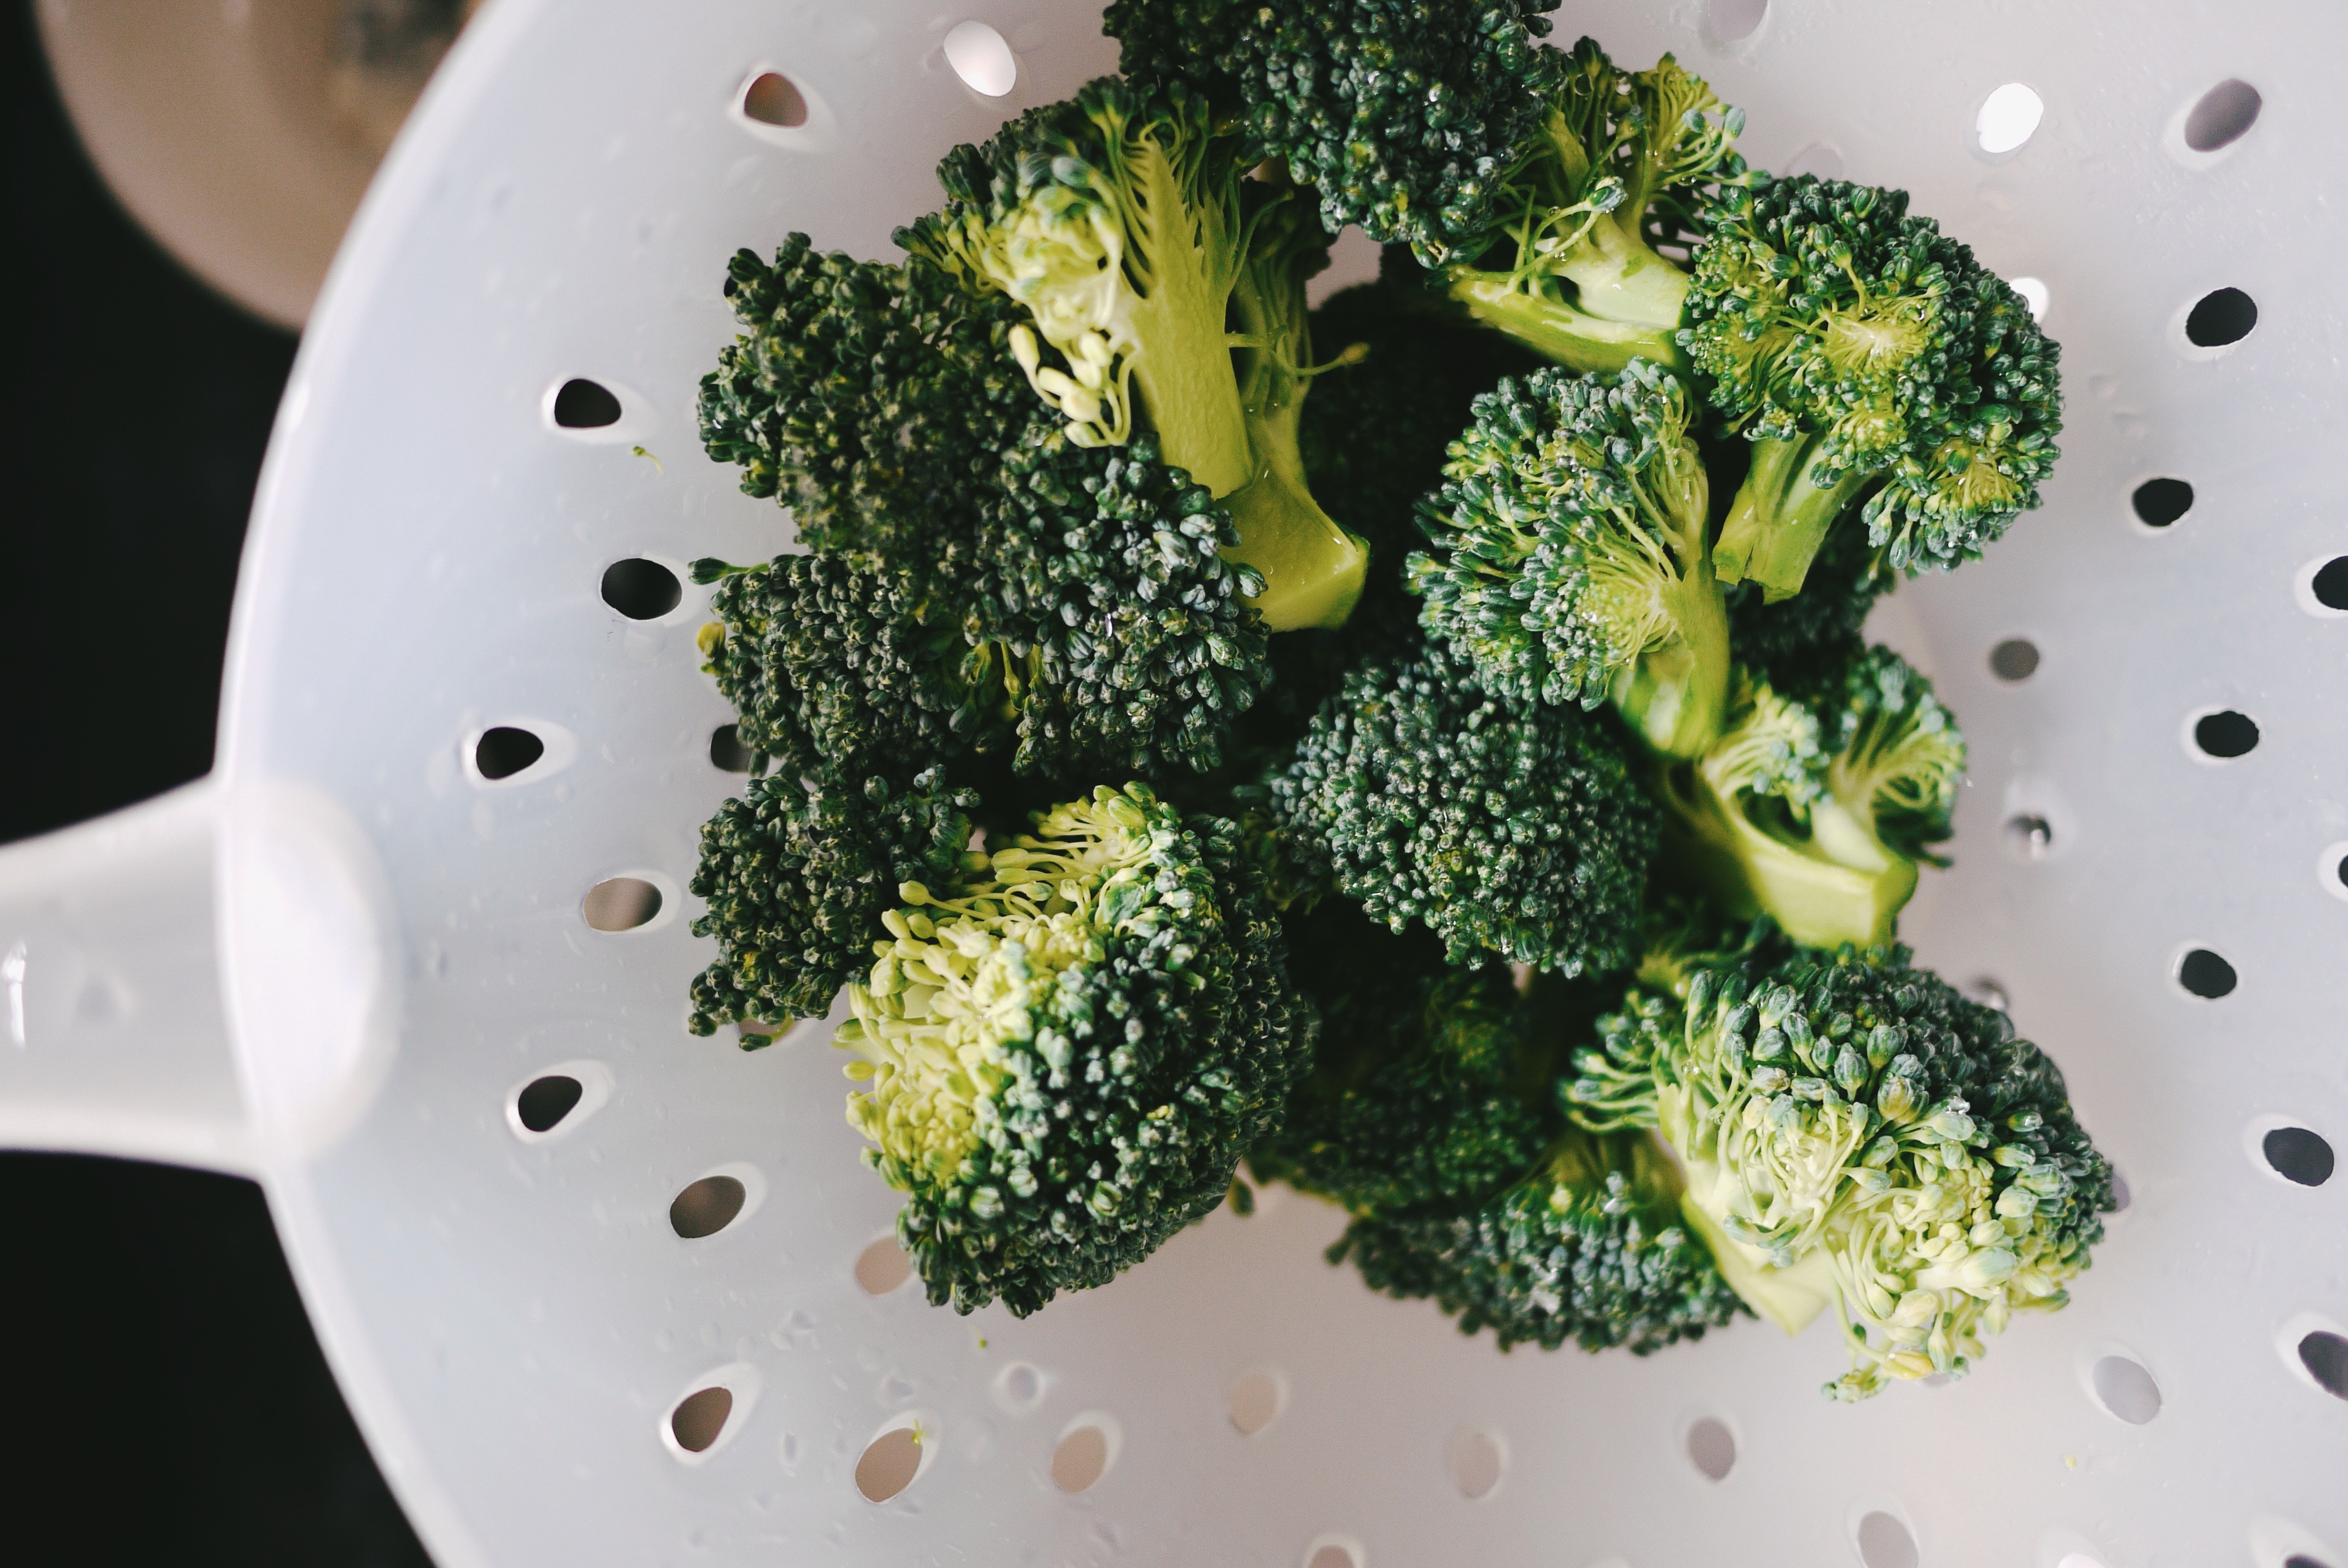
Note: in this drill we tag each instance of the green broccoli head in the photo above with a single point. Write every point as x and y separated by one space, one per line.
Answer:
1503 827
1621 163
1570 561
1855 1131
1819 799
1401 117
796 875
1858 347
1066 1049
1426 1090
1123 228
1590 1247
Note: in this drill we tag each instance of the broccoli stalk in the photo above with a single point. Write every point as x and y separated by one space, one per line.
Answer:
1861 349
1120 223
1064 1049
1817 803
1570 561
1615 168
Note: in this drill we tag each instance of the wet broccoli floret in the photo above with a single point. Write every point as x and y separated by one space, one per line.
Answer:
1503 827
1856 1133
797 873
1064 1049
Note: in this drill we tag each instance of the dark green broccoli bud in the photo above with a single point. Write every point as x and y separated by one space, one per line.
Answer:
1508 828
1124 228
1101 629
1854 1132
1426 1090
1815 804
1570 561
1845 580
797 873
1860 348
1618 165
1400 115
1590 1247
1066 1049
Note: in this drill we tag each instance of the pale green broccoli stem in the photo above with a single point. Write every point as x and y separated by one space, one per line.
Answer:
1779 518
1834 884
1676 694
1616 278
1312 568
1560 332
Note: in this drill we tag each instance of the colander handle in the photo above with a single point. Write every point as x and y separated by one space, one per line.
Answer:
113 1039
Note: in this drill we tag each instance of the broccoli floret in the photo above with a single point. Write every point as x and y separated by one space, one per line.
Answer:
1064 1049
984 582
1570 561
1858 347
1818 801
1424 1091
1855 1131
1617 166
1401 115
797 873
1590 1246
1125 228
1845 580
1503 826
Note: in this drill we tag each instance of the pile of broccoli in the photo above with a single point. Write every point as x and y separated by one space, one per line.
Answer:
1422 749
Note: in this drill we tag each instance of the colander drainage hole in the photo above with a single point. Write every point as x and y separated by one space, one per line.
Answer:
699 1417
889 1464
2015 659
2325 1355
706 1206
2160 502
1084 1453
1711 1448
642 590
504 750
726 751
545 1102
981 59
2204 974
1255 1401
773 99
2226 735
1735 19
2032 837
1883 1541
2302 1559
2222 115
1477 1462
2298 1154
1333 1554
583 405
2330 584
2008 118
2219 317
621 904
883 1266
2125 1388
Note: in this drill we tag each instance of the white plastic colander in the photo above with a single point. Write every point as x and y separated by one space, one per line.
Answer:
336 964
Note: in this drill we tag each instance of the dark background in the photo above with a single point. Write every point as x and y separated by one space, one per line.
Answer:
165 1400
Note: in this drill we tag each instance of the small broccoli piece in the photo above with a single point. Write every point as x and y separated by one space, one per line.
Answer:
1816 802
1066 1049
1125 228
1590 1246
984 582
1502 827
1855 1131
797 873
1618 166
1858 347
1570 561
1402 117
1425 1092
1845 580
